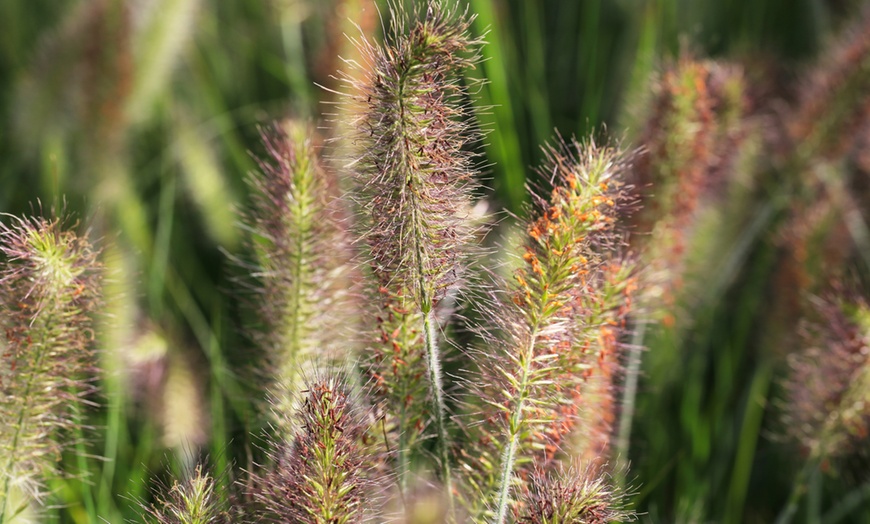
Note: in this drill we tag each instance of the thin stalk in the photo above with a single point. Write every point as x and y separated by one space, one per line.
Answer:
81 462
516 422
798 490
510 453
433 364
403 457
623 438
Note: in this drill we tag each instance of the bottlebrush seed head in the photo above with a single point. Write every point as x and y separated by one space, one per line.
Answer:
581 496
322 475
828 393
190 501
694 138
833 102
414 170
566 306
48 289
303 254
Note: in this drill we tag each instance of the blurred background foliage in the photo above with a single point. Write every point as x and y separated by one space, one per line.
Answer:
140 116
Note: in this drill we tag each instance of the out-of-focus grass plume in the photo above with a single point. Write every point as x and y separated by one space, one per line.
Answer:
300 236
827 392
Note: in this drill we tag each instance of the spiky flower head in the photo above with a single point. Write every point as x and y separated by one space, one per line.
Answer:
416 178
414 169
193 500
832 101
828 392
321 475
561 323
693 137
48 289
301 241
573 496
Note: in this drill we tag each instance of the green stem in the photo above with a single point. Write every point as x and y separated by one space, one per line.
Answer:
515 425
510 453
403 456
623 440
433 364
798 490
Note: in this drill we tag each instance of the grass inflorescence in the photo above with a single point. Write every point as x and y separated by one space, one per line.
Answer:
411 357
49 290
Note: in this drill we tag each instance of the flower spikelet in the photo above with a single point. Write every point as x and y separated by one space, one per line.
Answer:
573 496
48 289
303 254
323 475
559 324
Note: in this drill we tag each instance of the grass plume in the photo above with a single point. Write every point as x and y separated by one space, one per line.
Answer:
302 249
416 179
48 289
572 496
194 500
321 475
553 324
827 393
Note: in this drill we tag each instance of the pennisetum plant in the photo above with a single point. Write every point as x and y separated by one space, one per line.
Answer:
323 474
301 242
48 285
557 324
194 500
573 495
415 179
